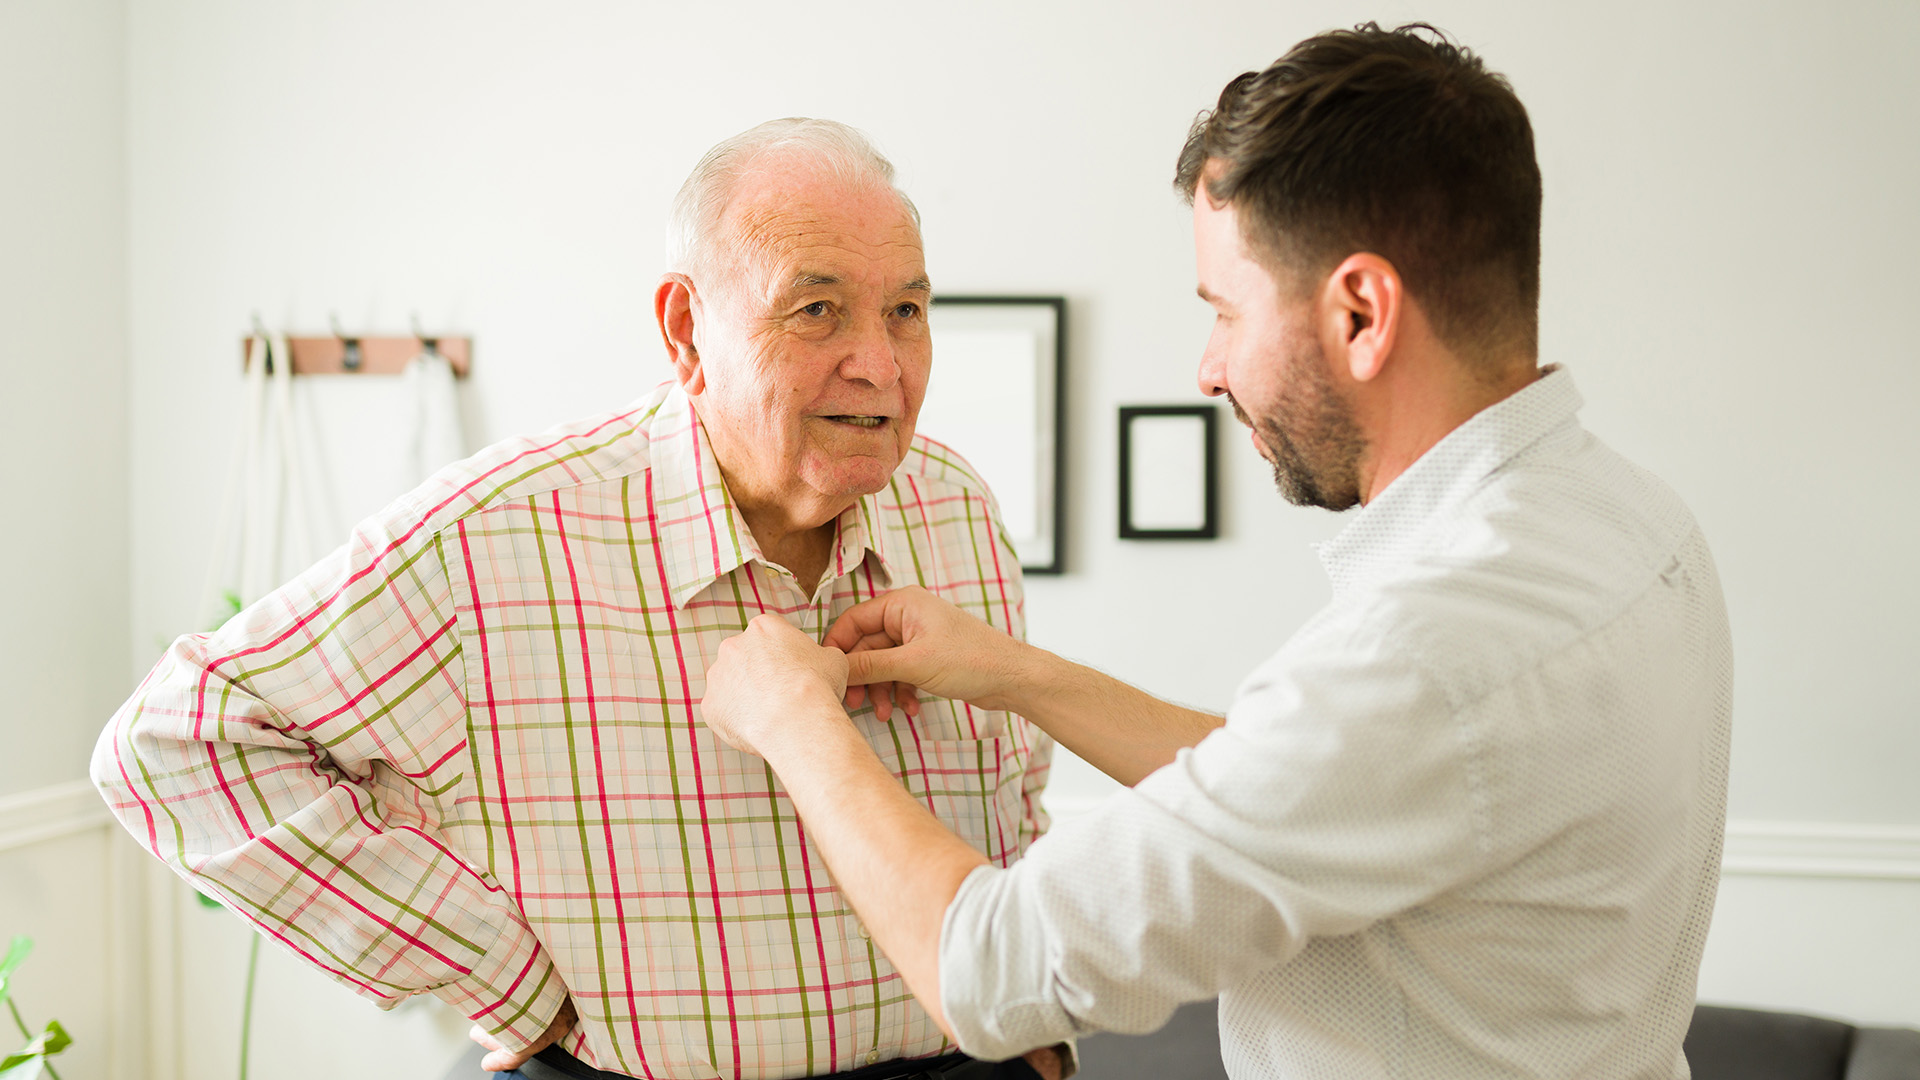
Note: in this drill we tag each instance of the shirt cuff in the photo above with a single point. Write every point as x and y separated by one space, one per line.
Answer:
995 982
1069 1052
513 993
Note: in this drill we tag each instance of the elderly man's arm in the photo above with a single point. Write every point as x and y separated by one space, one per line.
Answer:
912 638
290 765
775 693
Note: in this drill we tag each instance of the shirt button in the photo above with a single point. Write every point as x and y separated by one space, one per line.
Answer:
865 935
873 1056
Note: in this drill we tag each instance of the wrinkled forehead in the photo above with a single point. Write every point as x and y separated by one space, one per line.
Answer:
779 223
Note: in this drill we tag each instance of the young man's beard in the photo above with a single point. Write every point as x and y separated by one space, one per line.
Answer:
1314 444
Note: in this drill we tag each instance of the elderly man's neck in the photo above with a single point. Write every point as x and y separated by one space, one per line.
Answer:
794 533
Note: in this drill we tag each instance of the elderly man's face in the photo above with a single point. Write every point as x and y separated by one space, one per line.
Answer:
813 347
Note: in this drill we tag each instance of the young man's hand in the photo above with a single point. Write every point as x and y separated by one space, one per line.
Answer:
910 638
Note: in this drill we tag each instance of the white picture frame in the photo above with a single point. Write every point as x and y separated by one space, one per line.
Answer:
995 397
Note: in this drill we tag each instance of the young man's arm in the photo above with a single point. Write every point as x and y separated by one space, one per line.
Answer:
911 638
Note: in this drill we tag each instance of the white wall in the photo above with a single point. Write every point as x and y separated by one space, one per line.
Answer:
63 530
1728 225
1728 218
63 406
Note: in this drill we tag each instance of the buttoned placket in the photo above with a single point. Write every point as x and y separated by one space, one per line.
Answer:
816 620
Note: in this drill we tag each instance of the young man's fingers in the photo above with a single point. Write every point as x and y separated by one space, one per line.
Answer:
872 666
867 618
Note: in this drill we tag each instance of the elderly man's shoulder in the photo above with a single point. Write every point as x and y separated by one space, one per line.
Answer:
601 449
932 464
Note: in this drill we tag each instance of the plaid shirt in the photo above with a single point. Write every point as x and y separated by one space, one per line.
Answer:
463 754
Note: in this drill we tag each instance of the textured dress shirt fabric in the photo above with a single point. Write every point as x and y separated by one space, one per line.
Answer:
1465 823
464 755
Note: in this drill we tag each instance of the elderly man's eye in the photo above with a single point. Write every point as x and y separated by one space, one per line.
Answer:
908 311
817 309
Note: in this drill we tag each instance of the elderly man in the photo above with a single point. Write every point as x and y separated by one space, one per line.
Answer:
464 754
1467 821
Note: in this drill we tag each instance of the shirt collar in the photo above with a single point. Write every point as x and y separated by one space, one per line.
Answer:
1388 530
702 535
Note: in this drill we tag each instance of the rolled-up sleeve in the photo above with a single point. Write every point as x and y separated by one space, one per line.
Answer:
1340 791
291 764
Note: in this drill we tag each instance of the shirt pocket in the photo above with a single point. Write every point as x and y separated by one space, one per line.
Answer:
972 786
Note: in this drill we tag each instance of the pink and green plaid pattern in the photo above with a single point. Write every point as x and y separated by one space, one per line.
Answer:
464 755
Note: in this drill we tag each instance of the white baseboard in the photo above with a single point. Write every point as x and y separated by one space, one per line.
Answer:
1755 848
1821 849
50 812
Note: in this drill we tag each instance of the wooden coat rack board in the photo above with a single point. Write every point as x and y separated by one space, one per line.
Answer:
377 355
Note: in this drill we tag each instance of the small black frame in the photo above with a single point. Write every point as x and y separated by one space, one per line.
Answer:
1208 415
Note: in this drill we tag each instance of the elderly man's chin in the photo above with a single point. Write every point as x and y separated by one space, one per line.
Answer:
850 479
853 461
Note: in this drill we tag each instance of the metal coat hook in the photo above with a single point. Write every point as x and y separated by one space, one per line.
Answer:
360 354
428 345
266 342
350 347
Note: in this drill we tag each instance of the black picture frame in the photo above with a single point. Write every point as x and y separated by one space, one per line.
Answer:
1209 528
1046 552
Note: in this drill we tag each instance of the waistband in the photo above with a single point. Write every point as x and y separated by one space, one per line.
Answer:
554 1063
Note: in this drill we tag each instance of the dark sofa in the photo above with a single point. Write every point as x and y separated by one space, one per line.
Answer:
1748 1044
1722 1044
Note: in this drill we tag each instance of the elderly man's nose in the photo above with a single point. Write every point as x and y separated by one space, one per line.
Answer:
871 358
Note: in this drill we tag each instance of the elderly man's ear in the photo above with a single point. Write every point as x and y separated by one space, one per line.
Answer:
673 306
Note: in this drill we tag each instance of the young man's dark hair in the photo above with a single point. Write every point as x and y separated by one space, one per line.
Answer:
1396 142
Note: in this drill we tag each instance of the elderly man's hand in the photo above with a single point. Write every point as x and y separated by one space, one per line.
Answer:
767 678
1048 1062
500 1059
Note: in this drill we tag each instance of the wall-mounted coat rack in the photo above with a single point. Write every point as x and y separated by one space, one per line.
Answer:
347 354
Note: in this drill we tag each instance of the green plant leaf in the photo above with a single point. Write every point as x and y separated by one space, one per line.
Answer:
27 1063
17 952
57 1038
205 900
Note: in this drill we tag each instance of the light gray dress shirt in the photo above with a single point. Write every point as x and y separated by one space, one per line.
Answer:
1466 823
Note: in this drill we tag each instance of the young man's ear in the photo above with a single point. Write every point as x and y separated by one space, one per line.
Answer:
674 302
1363 305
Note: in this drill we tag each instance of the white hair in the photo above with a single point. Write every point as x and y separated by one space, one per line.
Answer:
693 225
